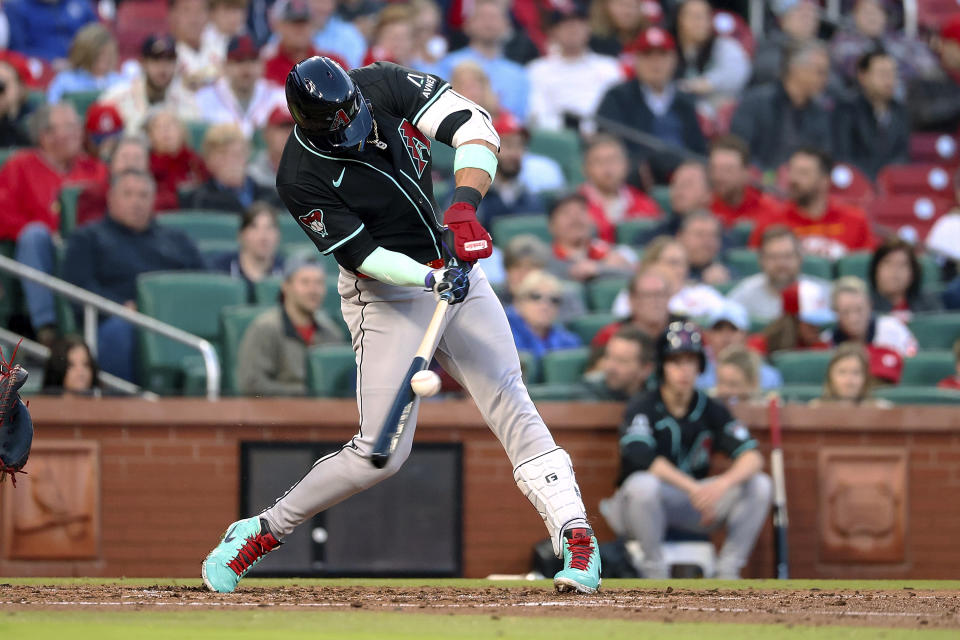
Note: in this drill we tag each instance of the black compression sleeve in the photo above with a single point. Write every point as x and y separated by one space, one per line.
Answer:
467 194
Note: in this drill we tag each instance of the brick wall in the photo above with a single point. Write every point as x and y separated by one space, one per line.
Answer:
169 475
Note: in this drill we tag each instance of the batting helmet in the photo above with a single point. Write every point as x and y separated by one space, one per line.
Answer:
327 105
680 337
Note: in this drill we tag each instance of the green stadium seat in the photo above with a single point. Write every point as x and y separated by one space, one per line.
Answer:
802 367
267 291
743 262
565 365
757 325
931 272
739 234
661 195
290 230
196 130
927 368
936 330
801 393
726 287
629 230
587 325
202 225
562 146
855 264
558 392
529 368
68 208
601 292
817 267
507 227
212 249
191 301
331 371
81 101
573 290
233 324
442 157
918 395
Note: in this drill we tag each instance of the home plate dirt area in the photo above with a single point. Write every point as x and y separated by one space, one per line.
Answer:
900 608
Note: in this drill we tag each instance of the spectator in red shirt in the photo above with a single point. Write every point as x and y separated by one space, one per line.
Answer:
734 198
291 23
649 307
610 200
172 162
825 226
129 154
393 36
953 382
29 184
577 255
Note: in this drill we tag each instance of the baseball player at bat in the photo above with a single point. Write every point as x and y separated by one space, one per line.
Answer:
666 441
356 174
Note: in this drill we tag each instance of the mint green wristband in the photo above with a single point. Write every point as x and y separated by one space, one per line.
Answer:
475 156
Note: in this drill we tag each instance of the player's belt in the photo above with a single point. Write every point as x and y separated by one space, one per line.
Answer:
433 264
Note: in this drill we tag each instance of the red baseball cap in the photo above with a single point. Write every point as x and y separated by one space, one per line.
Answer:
652 39
242 49
951 29
280 116
885 364
103 120
506 123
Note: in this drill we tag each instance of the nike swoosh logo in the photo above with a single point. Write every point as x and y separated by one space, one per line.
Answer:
336 183
229 536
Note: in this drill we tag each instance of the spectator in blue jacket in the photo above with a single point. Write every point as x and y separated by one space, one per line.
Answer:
533 316
93 64
105 257
45 28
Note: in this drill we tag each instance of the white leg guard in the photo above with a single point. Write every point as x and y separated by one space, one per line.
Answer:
548 482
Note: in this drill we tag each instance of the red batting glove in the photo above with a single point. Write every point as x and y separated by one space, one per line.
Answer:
470 240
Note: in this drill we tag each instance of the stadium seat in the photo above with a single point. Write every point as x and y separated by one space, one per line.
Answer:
802 367
203 225
81 101
196 130
801 393
267 291
601 292
930 147
507 227
743 262
587 325
918 395
909 216
565 365
927 368
856 264
190 301
931 180
936 330
850 184
563 147
817 267
332 371
233 324
68 208
442 157
629 230
558 392
213 249
529 368
739 234
290 230
661 195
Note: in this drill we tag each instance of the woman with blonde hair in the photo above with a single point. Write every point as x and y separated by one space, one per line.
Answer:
533 315
93 64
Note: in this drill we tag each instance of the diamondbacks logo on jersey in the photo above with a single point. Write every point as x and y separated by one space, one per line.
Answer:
340 120
314 222
418 146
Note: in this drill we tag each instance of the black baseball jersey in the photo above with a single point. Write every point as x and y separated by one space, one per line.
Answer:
649 430
350 202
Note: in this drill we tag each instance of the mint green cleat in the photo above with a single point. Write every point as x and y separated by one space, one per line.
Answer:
581 562
242 546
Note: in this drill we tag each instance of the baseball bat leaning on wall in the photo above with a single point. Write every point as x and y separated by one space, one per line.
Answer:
781 547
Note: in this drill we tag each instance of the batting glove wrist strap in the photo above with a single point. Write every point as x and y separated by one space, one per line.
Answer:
451 284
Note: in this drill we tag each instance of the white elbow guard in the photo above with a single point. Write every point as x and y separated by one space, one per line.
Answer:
467 120
548 482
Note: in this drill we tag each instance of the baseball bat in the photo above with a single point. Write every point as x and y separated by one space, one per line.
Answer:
781 548
402 407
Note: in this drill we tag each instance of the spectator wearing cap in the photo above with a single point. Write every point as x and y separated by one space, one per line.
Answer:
257 258
616 24
107 256
293 43
93 64
735 199
229 188
335 34
953 382
173 164
533 316
228 18
797 23
29 184
199 61
566 85
934 101
651 104
130 153
103 129
577 255
609 198
780 259
713 67
263 166
806 311
825 226
242 96
727 327
392 36
896 281
272 360
45 28
487 28
157 85
868 28
872 128
776 118
15 109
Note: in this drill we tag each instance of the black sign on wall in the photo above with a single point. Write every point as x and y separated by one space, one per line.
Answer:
407 525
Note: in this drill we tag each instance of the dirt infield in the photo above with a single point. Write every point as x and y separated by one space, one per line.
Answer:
905 608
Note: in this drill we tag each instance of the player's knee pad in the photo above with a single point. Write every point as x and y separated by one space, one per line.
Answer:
547 480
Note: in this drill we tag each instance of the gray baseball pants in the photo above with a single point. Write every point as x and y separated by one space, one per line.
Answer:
387 324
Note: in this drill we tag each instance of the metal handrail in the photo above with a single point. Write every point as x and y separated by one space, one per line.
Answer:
92 303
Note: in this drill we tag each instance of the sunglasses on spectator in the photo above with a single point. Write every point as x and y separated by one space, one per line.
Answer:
537 297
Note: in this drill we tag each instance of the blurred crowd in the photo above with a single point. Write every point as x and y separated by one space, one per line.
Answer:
795 189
